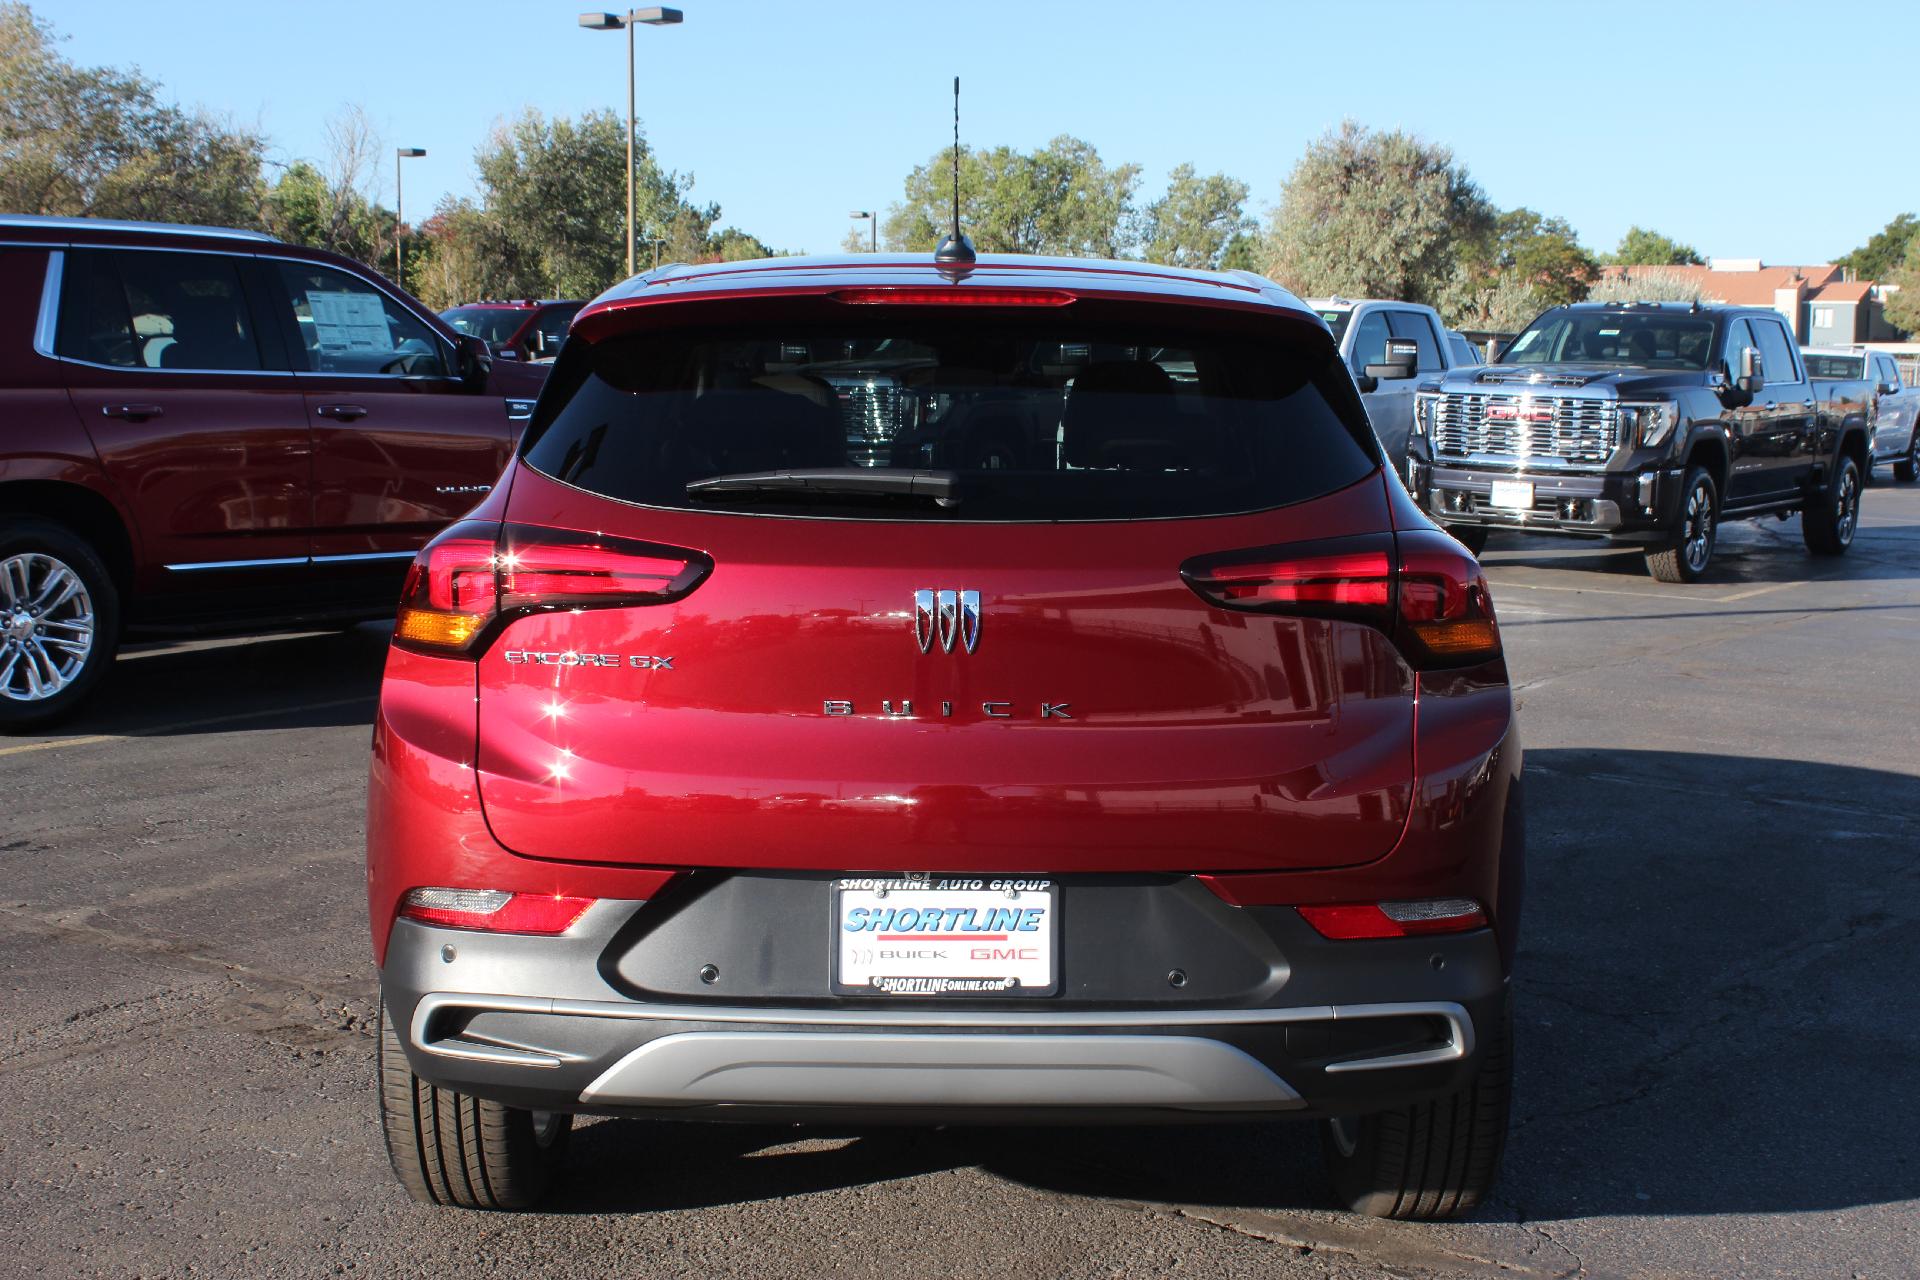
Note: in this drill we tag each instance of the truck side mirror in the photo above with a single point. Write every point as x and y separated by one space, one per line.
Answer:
473 362
1888 388
1402 360
1753 371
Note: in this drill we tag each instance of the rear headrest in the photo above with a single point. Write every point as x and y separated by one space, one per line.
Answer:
1120 414
763 431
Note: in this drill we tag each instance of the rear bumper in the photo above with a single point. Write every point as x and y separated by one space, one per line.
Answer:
1329 1028
1629 506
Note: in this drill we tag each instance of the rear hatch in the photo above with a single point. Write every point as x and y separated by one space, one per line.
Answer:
928 610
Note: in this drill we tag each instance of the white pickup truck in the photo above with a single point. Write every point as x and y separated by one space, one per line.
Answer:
1387 374
1893 407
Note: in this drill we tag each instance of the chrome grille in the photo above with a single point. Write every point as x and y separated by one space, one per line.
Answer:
1563 428
872 413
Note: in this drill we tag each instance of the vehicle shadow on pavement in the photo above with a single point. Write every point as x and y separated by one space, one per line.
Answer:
1748 553
1715 1006
303 681
628 1166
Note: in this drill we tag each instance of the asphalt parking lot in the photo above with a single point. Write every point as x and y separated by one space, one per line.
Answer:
1719 1024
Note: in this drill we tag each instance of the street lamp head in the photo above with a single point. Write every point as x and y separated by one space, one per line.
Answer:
858 213
409 153
649 17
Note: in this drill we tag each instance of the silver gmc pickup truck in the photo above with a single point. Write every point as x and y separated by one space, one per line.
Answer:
1646 423
1389 346
1893 407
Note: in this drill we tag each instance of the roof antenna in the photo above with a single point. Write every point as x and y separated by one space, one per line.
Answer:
955 247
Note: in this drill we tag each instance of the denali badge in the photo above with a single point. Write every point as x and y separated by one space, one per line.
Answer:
948 616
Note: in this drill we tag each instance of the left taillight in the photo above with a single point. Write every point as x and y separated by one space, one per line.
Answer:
494 910
1418 587
477 573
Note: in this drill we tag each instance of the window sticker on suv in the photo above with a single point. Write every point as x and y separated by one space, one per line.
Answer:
349 321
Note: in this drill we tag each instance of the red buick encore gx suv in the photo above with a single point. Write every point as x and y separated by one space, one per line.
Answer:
880 690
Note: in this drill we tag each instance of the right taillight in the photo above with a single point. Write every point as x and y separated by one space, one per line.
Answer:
1343 921
1445 612
478 573
1418 587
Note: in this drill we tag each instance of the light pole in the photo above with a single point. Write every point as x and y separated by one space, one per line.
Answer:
654 16
873 218
399 203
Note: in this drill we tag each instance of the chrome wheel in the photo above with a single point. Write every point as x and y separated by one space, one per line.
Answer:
46 626
1697 532
1846 513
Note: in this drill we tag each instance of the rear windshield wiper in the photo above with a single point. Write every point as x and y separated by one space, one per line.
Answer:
834 482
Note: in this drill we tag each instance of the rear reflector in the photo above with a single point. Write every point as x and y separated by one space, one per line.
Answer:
493 910
1347 920
954 296
478 573
1419 588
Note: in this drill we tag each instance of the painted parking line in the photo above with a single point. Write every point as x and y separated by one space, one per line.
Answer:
25 747
183 725
1669 596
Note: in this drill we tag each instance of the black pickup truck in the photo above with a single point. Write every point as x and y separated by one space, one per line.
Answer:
1645 423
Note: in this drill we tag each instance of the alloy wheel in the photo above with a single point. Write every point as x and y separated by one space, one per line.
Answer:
1698 540
46 626
1847 511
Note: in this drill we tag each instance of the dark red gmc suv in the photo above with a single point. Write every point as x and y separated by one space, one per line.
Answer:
884 690
209 429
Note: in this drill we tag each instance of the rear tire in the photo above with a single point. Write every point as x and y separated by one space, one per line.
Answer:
59 622
452 1148
1686 557
1908 468
1432 1160
1471 536
1831 518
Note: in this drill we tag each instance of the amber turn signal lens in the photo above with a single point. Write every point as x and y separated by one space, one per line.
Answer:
446 630
1471 637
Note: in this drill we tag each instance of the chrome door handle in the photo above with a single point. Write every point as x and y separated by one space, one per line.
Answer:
343 412
131 412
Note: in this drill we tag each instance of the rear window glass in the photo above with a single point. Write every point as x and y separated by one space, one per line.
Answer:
1836 366
489 324
1024 425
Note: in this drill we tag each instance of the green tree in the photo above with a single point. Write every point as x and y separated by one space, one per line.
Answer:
94 141
1062 199
1652 284
1643 248
1522 264
462 254
1245 252
554 194
1496 301
331 205
1880 256
1903 303
1546 254
1193 224
1375 215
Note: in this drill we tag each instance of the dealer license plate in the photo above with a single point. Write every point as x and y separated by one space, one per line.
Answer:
957 936
1512 495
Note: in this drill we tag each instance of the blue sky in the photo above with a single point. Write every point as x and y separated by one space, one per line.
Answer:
1715 121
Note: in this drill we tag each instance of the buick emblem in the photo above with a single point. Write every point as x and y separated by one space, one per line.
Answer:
950 617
